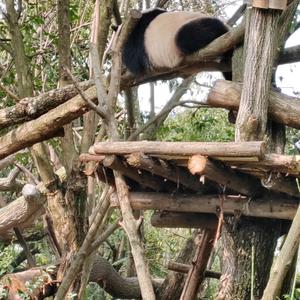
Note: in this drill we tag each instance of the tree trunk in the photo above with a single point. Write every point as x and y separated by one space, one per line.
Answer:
248 245
245 242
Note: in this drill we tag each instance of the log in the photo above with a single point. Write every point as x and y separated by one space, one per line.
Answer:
84 157
183 220
284 260
283 184
102 273
23 211
196 272
32 107
181 148
266 207
165 170
252 116
289 164
282 108
145 179
184 268
216 172
46 126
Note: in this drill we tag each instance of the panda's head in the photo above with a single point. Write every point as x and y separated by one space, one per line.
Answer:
162 39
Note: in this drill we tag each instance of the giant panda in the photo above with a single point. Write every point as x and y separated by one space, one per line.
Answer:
162 39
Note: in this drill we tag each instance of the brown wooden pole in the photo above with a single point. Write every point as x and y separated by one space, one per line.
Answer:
282 108
184 268
226 149
266 207
199 263
165 170
218 172
143 178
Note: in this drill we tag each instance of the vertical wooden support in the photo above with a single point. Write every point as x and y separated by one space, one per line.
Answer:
198 267
261 43
260 49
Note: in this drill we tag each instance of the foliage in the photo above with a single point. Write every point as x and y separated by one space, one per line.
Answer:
296 295
162 245
7 256
203 125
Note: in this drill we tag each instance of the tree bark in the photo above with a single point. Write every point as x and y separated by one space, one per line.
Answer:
249 245
282 108
252 117
241 244
227 149
268 207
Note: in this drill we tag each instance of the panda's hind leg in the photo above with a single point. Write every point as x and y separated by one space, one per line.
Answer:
199 33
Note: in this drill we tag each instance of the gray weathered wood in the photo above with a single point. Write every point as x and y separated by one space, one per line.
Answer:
181 148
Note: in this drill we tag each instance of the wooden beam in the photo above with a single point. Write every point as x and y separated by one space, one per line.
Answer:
175 174
184 268
183 220
282 108
267 207
289 164
226 149
283 184
217 172
145 179
196 272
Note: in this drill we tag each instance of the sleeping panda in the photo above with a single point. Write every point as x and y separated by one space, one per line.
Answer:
162 39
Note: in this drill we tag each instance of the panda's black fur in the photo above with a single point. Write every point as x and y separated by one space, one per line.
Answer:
191 36
135 56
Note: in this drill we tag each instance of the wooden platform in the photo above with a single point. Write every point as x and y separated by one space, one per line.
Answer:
254 183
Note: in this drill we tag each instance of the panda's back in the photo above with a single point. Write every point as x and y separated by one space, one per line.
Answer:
160 38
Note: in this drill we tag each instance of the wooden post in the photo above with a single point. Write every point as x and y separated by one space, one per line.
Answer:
199 263
261 43
260 50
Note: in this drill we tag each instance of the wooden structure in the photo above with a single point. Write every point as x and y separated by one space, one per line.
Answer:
266 4
190 177
193 184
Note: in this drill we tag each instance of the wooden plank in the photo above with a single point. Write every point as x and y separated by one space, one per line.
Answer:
227 149
267 207
278 4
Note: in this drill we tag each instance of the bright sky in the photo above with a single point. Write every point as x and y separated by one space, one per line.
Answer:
290 73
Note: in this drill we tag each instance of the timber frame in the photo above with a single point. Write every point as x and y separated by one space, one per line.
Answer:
175 177
194 184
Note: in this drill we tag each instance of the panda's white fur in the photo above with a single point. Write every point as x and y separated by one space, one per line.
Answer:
163 52
162 39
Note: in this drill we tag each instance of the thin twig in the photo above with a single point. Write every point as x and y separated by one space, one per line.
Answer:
93 106
9 93
28 174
